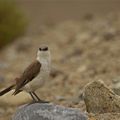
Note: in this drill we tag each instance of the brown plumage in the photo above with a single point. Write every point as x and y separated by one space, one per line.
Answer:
6 90
26 77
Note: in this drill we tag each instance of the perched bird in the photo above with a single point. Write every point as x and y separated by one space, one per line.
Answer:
34 76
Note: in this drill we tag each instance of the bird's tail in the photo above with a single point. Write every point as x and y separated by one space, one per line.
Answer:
6 90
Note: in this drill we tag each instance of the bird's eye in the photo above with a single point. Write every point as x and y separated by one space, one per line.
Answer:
43 49
40 49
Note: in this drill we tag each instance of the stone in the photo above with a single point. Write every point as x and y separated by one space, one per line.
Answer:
48 111
105 116
116 86
100 99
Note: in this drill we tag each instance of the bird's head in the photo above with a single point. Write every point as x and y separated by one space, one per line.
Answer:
43 53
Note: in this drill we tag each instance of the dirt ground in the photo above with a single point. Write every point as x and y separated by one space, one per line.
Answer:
82 50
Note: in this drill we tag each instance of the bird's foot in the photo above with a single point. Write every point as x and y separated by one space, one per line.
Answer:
42 101
39 101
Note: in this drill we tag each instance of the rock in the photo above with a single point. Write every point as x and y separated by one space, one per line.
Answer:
100 99
45 111
105 116
116 86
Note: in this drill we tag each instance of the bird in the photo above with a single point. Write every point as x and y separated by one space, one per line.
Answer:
34 76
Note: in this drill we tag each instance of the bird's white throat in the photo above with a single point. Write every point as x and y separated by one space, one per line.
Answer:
45 59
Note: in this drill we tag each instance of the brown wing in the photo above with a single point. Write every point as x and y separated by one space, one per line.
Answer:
29 74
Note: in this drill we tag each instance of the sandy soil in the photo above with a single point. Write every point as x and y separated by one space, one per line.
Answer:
82 50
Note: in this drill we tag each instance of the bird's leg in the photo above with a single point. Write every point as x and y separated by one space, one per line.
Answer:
39 100
31 94
36 96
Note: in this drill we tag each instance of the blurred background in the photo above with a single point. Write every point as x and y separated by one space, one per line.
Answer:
84 39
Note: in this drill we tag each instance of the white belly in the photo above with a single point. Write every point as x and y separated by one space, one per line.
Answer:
39 80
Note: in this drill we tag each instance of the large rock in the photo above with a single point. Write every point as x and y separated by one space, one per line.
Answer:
116 86
105 116
46 111
100 99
